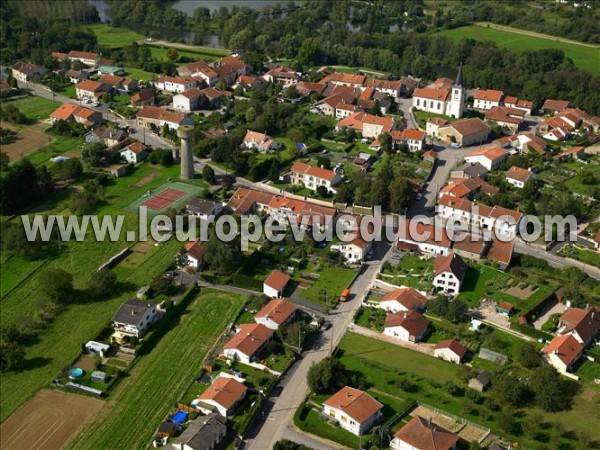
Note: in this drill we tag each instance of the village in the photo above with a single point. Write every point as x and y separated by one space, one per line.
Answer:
401 344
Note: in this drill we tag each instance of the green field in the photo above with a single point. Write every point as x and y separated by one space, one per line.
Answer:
587 58
113 37
208 54
159 379
60 340
139 74
35 108
333 280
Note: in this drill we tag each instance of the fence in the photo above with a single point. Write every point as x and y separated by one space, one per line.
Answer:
458 419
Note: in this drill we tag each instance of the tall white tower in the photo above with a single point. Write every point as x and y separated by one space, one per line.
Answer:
456 108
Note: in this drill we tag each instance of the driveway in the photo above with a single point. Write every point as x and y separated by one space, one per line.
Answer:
556 308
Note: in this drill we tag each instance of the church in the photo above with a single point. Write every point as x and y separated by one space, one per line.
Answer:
443 97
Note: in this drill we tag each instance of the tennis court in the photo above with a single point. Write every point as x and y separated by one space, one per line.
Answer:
169 195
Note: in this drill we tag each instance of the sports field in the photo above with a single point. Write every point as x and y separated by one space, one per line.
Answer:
583 55
169 195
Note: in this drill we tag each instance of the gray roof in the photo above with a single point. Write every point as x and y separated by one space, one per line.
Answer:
204 432
132 311
109 133
483 377
201 205
473 169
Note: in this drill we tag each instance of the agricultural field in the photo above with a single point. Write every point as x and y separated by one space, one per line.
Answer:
60 340
206 54
160 378
585 56
113 37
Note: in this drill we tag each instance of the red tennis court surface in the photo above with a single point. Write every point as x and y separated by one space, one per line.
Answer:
164 199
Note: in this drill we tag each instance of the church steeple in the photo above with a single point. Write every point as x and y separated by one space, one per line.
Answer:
459 77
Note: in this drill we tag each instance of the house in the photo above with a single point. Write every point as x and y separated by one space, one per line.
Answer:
518 177
510 119
247 82
79 114
505 309
203 433
354 410
118 83
111 70
203 208
134 153
344 79
469 170
408 326
354 252
195 253
275 284
551 106
312 177
487 99
450 350
144 97
563 352
276 313
467 187
428 238
307 88
368 125
429 156
306 214
229 69
86 58
335 95
526 142
133 318
480 382
212 97
470 246
222 396
465 132
75 76
283 75
201 70
434 124
153 115
490 158
260 141
391 88
446 100
423 434
249 340
514 102
403 299
25 72
582 324
501 252
105 135
174 84
187 100
449 273
574 152
166 429
414 139
91 89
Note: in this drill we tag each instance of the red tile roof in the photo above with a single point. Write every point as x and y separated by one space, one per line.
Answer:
357 404
92 86
317 172
519 174
277 310
408 297
452 263
555 105
225 392
194 249
422 434
249 338
277 280
432 94
501 251
467 127
453 345
493 153
411 321
586 322
566 347
489 95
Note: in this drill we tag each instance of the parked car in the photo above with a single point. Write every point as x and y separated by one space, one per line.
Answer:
326 325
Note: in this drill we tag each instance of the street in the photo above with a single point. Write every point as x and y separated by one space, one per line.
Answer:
293 389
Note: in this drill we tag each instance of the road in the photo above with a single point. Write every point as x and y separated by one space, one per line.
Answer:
146 136
280 407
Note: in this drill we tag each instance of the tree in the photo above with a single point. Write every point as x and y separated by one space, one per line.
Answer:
327 376
161 284
274 171
549 389
172 54
506 421
12 356
208 174
83 202
57 285
509 390
101 284
386 142
222 257
528 356
401 194
93 153
4 161
322 191
70 169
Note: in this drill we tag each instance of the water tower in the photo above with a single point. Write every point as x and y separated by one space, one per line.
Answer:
185 133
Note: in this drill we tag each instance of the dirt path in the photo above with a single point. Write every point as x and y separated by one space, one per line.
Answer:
197 48
420 347
534 34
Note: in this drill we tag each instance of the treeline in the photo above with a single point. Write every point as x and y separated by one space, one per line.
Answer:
147 13
23 184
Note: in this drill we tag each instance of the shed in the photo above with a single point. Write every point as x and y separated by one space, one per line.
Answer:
98 375
208 365
481 382
142 292
166 429
96 347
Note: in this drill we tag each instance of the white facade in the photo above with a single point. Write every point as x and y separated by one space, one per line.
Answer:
183 103
137 330
174 84
397 333
447 355
486 162
270 292
484 104
313 182
392 306
447 283
516 183
353 253
237 355
132 157
348 423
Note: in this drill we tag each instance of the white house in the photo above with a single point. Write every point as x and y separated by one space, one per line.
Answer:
563 352
222 396
408 326
86 58
582 324
354 410
449 273
187 100
153 115
312 177
518 177
133 318
195 253
490 158
175 84
276 313
248 342
260 141
91 89
28 72
414 139
203 208
427 238
403 299
275 284
450 350
134 153
354 251
487 99
422 434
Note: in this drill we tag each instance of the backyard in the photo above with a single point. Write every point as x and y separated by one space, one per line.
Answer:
329 286
160 378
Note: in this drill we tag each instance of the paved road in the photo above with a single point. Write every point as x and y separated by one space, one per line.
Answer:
557 261
276 422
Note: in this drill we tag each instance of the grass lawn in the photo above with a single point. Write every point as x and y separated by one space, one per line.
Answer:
331 279
159 378
139 74
583 56
69 91
160 52
422 116
35 108
122 100
113 37
60 340
587 256
60 145
482 282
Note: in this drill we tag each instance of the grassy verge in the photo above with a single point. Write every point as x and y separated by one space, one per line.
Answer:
159 379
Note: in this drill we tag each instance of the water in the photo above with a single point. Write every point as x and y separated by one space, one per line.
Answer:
188 6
